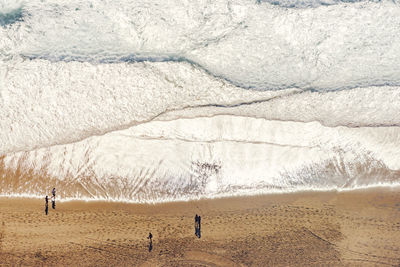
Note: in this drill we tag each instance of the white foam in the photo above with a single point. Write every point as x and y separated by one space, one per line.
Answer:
58 103
7 6
251 44
212 157
64 102
360 107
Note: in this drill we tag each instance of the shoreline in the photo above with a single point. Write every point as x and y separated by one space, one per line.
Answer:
311 228
373 188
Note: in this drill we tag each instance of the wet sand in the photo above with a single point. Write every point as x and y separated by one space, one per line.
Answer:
359 228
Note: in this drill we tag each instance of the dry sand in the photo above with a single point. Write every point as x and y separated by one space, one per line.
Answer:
354 229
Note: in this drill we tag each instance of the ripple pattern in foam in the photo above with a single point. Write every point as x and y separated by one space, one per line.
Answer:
63 102
361 107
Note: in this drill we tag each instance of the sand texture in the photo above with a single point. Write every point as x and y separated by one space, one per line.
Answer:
309 229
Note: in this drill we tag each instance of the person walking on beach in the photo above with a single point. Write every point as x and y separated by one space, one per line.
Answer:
151 242
53 199
46 209
196 225
199 227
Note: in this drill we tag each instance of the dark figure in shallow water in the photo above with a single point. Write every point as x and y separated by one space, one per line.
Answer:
46 209
151 242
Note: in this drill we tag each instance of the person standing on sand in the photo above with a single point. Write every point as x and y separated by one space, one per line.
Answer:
53 199
199 227
46 209
196 224
151 242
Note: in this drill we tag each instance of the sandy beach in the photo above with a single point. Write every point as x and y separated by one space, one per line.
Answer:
360 228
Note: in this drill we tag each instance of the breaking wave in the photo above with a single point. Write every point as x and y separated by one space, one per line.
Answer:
207 157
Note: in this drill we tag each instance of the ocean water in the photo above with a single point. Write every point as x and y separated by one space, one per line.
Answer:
147 101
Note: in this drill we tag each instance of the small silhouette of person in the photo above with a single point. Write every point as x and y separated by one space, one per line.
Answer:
196 224
46 209
151 242
199 227
53 199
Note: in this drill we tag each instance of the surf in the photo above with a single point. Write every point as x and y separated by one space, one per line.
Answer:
172 161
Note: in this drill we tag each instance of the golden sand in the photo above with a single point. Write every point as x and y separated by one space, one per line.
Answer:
338 229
